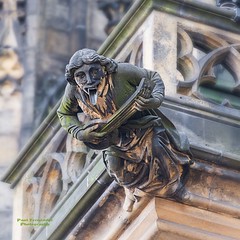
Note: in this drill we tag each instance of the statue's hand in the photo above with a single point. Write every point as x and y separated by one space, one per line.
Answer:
90 134
147 103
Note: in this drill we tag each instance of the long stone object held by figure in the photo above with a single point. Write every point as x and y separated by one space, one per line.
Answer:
128 108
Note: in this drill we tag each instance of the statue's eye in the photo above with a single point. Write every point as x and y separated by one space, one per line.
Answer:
94 72
80 75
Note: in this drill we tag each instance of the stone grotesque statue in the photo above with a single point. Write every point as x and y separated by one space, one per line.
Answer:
142 149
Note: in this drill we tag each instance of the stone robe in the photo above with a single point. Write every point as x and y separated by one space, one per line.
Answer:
149 157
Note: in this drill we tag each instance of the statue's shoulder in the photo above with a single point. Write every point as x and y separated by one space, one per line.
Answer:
126 67
70 90
129 71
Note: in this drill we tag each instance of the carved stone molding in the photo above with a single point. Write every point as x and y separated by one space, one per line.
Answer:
201 54
56 171
46 183
133 52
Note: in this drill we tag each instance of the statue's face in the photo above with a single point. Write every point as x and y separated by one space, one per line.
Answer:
88 78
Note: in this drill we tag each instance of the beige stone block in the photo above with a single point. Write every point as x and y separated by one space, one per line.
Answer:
165 49
8 149
194 223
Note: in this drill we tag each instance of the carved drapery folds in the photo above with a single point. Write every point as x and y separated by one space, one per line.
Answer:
208 62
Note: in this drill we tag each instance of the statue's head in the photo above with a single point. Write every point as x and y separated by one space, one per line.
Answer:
86 68
84 57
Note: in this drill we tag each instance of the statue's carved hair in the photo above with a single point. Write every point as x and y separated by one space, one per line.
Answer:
87 56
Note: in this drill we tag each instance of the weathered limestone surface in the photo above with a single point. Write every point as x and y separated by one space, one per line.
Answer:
210 211
208 208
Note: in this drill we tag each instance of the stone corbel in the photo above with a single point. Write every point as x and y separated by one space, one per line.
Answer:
207 208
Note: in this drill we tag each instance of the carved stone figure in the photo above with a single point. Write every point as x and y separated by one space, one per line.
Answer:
142 149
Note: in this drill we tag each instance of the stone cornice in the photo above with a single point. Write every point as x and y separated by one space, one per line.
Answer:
192 217
188 9
215 112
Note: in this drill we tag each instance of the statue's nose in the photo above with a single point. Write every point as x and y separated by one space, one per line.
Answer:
89 79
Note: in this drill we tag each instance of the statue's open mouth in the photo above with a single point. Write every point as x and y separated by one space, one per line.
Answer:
92 92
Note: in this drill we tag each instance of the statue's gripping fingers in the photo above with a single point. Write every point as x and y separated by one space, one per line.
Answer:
147 103
90 134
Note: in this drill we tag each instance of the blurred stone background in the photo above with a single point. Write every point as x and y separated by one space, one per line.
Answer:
37 38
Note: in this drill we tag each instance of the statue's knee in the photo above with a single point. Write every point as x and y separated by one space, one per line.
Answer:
114 163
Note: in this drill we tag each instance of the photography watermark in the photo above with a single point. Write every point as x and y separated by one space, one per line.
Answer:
34 222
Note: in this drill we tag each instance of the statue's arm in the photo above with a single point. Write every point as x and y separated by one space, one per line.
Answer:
133 75
159 89
68 110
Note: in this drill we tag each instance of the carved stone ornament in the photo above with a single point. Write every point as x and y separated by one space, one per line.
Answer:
212 58
141 148
59 167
